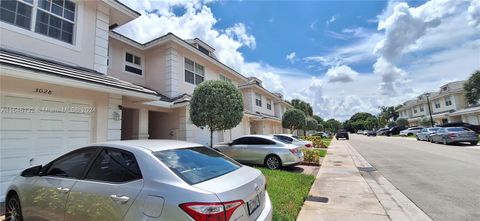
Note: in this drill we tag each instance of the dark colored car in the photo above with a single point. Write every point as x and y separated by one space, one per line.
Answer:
394 130
382 131
448 135
342 134
371 133
472 127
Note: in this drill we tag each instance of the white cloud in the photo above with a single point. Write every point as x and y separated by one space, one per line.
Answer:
239 32
330 21
292 57
341 73
474 13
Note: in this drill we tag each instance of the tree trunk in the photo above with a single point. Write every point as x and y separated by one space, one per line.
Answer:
211 138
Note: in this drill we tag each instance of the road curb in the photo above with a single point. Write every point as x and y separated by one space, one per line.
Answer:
396 204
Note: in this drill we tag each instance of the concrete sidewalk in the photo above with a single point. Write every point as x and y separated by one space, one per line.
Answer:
342 192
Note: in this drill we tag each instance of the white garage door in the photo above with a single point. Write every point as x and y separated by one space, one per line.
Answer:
34 131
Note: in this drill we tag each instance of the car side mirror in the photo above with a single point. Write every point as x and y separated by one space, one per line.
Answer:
230 143
32 171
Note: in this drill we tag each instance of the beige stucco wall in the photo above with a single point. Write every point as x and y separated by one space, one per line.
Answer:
81 53
98 100
116 62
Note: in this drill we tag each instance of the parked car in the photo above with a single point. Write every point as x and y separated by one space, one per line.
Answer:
382 131
472 127
342 134
425 133
395 130
448 135
359 131
371 133
140 180
295 140
270 151
410 131
365 132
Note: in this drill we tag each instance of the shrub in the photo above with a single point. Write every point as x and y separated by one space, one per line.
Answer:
312 155
316 140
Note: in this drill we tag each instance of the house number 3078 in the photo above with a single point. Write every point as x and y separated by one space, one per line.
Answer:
43 91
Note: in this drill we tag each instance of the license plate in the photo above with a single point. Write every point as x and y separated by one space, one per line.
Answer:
253 204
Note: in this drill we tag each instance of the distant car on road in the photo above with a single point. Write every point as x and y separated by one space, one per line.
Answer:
448 135
410 131
425 133
267 150
382 131
472 127
394 130
342 134
140 180
359 131
365 132
371 133
295 140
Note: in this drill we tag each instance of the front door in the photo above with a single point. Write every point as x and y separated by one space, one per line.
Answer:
108 190
48 197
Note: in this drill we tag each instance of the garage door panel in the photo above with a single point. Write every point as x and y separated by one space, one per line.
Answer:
50 143
10 123
17 101
15 144
51 124
79 125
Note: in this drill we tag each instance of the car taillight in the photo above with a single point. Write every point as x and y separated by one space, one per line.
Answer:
294 150
211 211
308 145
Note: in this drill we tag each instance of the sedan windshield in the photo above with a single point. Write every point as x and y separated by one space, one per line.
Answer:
197 164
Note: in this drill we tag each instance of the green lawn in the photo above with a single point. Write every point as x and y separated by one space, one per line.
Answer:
287 192
326 141
411 136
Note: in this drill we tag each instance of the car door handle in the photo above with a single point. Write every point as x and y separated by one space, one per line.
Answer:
63 189
120 198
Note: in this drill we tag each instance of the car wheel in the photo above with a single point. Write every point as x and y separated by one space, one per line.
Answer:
444 141
273 162
417 137
474 142
13 210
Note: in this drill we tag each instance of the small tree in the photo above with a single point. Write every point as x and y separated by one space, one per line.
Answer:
392 124
310 124
402 122
472 88
216 105
293 119
425 122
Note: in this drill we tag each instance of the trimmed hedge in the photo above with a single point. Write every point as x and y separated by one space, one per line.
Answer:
313 155
316 140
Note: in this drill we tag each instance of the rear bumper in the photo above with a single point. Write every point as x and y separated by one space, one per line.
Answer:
266 214
463 139
292 160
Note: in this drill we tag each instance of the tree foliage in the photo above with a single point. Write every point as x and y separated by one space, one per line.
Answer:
319 121
303 106
311 124
389 113
425 122
402 122
472 88
216 105
362 121
293 119
332 125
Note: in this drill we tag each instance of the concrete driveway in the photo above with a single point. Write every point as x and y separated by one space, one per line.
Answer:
442 180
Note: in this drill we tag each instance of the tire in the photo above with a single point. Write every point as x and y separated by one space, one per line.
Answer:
431 140
273 162
444 141
474 142
418 138
13 209
409 134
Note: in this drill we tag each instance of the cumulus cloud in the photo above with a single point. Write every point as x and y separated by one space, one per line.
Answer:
158 18
474 13
331 20
341 73
291 57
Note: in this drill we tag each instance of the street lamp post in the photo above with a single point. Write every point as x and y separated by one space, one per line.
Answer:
429 111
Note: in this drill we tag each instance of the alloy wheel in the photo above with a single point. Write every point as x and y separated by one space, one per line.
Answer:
12 210
444 141
273 162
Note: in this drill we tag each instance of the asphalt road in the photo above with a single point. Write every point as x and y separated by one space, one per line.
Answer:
443 181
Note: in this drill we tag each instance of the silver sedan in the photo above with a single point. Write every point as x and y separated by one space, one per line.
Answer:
449 135
140 180
265 150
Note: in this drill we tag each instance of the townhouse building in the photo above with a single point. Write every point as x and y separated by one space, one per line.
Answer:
447 105
67 79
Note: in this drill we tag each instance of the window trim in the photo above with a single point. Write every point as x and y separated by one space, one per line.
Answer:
125 63
194 72
256 99
448 101
269 104
76 45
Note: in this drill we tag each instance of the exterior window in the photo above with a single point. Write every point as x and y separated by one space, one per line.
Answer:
269 104
422 109
204 50
194 73
258 99
415 110
437 103
73 164
18 13
133 63
114 166
56 19
448 101
223 78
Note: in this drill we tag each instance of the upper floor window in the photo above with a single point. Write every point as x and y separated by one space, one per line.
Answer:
223 78
448 101
415 110
194 73
133 63
422 109
258 99
437 103
54 18
269 104
204 50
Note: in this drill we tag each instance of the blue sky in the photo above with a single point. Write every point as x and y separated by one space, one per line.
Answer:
341 56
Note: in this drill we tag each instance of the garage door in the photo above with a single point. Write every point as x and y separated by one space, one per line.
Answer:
36 130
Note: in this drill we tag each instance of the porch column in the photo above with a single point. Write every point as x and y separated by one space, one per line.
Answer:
143 124
185 131
114 123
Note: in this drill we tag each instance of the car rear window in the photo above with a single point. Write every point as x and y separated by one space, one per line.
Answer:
434 129
457 129
197 164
